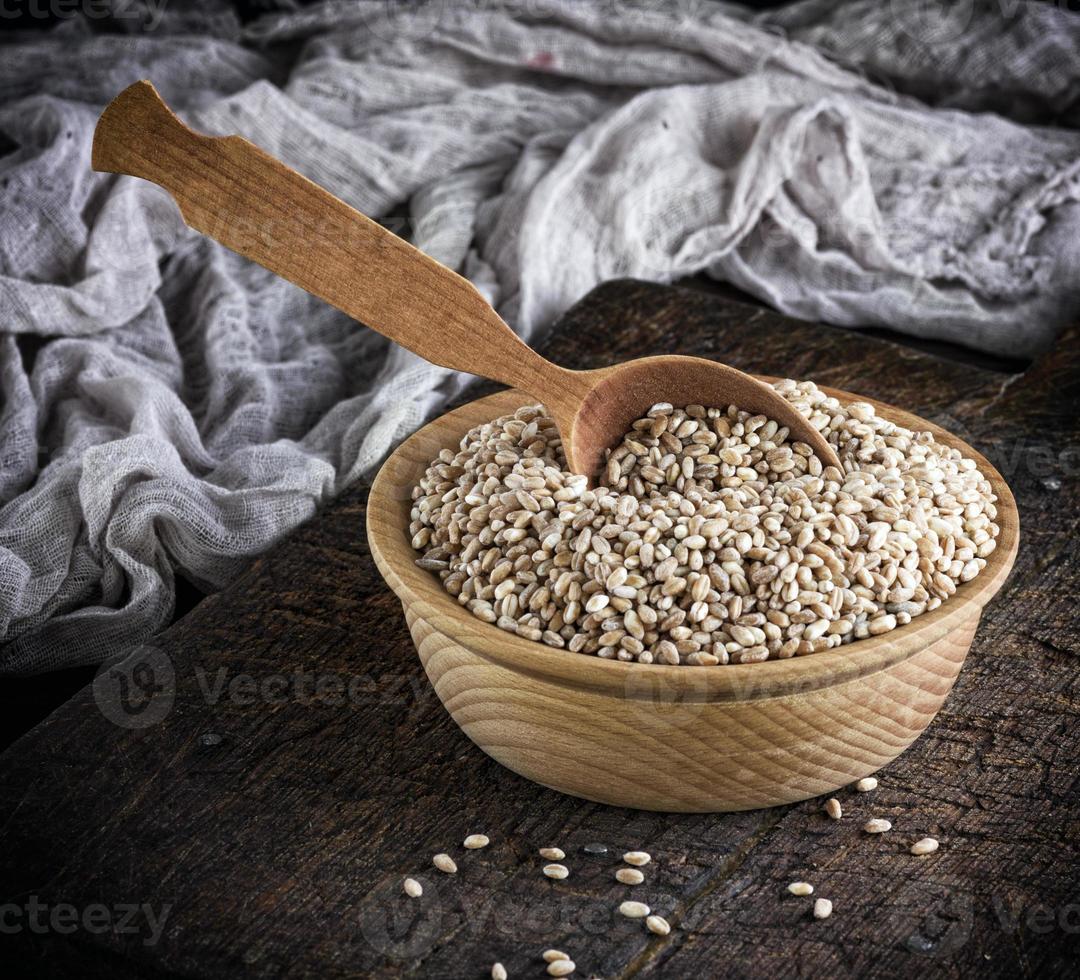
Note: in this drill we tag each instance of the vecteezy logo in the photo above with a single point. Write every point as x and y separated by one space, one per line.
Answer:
932 21
137 690
658 704
399 927
398 19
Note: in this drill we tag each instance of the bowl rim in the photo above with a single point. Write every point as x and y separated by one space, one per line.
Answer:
423 597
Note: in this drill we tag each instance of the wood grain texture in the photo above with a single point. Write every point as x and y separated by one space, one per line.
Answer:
675 738
594 420
231 190
281 847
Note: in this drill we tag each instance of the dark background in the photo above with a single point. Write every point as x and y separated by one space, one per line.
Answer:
35 15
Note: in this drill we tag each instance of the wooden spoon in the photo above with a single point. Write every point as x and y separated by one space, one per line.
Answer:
231 190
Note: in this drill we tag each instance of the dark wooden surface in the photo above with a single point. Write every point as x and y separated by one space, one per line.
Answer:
294 765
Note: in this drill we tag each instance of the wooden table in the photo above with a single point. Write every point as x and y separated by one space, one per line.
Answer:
292 764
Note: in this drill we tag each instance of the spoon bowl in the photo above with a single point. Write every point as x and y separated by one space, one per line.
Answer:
231 190
615 397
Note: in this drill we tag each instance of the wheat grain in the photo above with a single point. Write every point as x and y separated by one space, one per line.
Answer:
475 841
634 910
498 971
629 876
657 924
877 826
561 968
412 888
800 888
637 858
925 846
558 871
715 539
822 908
833 808
445 863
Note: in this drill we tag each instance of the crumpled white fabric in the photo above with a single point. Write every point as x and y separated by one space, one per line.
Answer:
168 408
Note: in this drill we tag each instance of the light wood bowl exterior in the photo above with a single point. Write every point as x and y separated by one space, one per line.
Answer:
682 738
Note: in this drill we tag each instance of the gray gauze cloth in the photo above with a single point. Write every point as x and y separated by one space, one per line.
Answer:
170 408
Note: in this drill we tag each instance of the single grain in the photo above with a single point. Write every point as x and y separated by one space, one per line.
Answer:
657 924
444 863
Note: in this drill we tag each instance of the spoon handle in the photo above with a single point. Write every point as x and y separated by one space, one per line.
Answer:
231 190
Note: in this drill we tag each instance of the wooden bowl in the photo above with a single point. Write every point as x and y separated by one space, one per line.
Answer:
682 738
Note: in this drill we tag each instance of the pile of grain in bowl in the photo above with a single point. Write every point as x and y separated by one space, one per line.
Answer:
712 540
